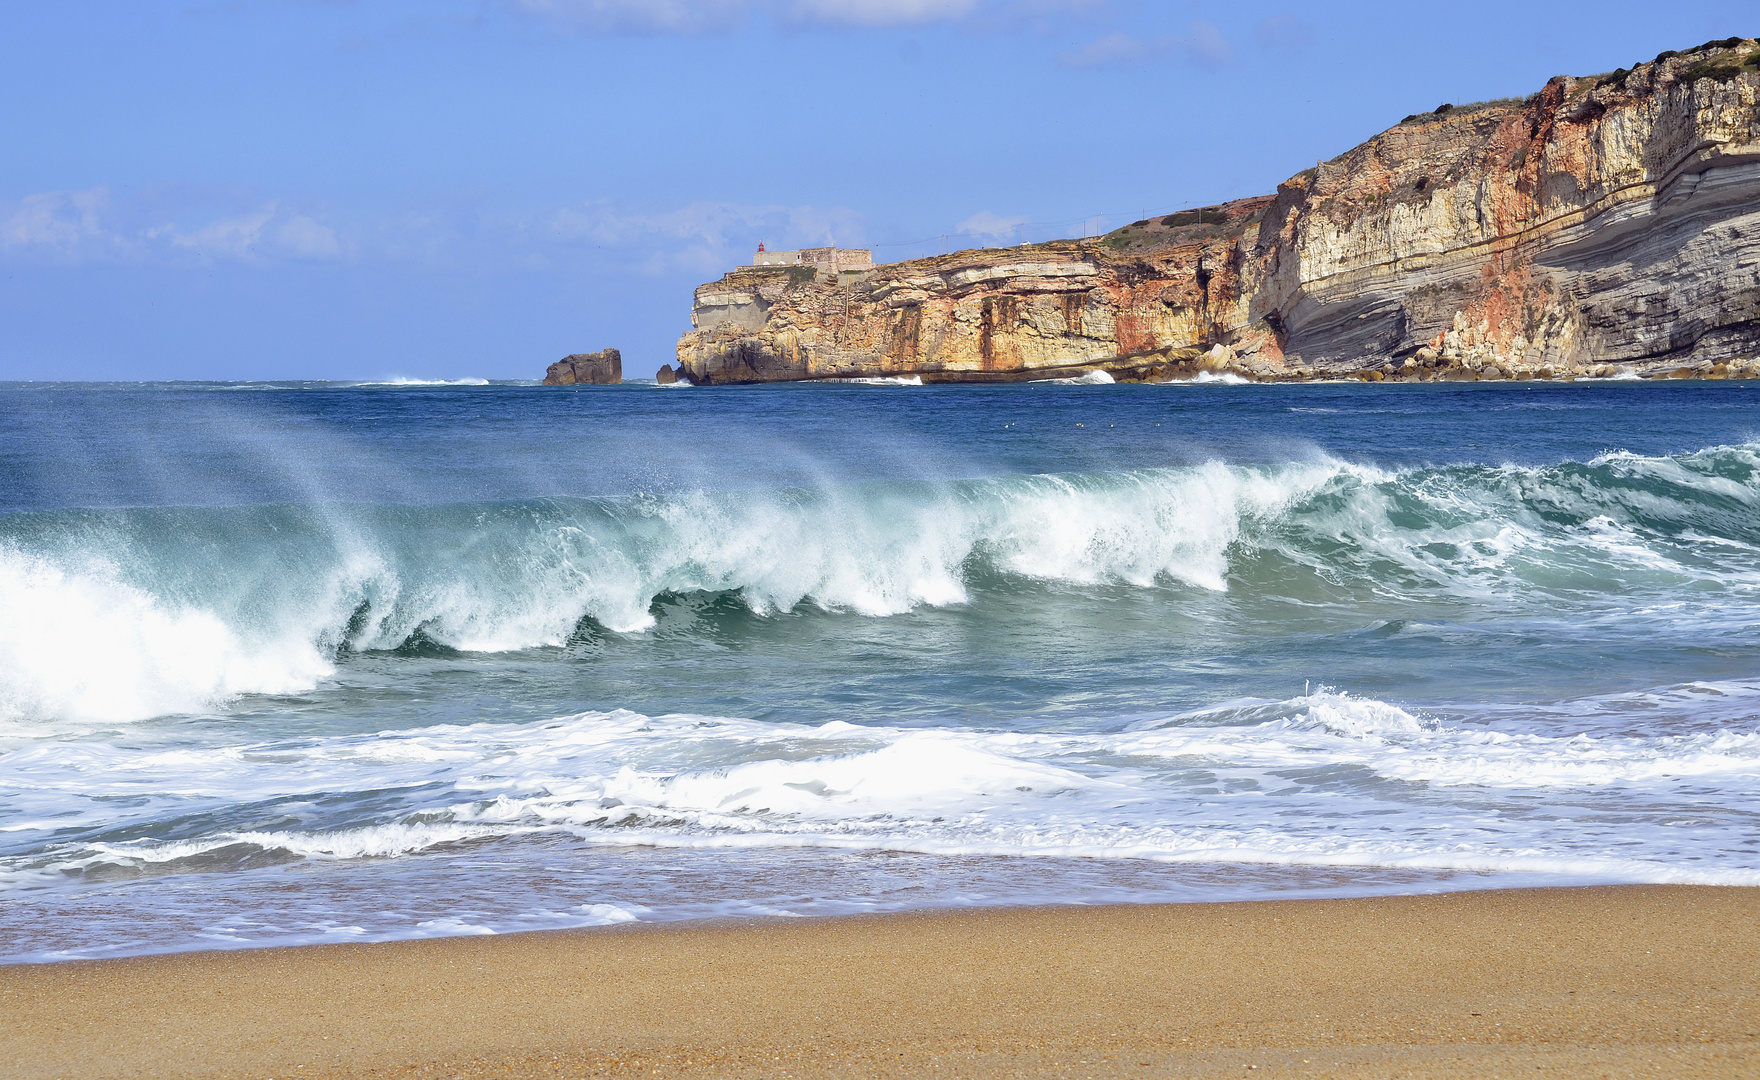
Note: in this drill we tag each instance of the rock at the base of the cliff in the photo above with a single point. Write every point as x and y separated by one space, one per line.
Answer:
586 369
666 376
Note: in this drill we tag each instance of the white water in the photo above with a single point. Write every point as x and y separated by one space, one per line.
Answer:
400 380
105 625
1087 378
329 704
79 643
1326 779
1210 378
528 583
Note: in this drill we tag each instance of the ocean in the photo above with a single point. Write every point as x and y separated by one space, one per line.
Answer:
309 662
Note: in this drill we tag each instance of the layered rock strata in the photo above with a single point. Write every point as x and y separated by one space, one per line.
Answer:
1603 226
603 368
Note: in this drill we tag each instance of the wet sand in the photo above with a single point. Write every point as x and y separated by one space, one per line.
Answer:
1629 981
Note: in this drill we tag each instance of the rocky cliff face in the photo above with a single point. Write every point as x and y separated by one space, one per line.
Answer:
1603 225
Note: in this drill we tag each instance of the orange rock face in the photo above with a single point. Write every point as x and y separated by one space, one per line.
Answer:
1600 226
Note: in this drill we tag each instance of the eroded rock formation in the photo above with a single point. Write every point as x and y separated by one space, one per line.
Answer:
1601 226
591 368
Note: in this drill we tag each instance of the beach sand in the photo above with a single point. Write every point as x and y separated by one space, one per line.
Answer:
1627 981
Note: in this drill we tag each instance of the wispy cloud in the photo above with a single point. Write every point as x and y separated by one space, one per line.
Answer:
182 226
985 223
92 226
701 236
872 12
703 17
1200 43
1283 33
308 238
689 17
60 222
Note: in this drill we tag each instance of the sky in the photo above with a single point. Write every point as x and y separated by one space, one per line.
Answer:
447 189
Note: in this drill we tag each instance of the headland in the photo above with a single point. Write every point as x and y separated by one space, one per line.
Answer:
1602 227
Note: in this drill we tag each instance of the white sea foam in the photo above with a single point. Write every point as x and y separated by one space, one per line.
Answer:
1087 378
887 380
113 626
399 380
1325 779
78 643
477 584
1210 378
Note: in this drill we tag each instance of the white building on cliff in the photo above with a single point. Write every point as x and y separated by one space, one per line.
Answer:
829 261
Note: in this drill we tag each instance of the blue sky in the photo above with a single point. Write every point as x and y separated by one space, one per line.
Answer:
474 188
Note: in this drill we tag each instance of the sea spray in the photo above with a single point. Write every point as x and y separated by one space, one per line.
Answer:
507 576
325 663
188 608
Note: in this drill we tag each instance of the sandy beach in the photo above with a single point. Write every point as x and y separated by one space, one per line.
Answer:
1627 981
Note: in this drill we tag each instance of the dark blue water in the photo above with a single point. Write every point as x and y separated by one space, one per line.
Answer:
292 662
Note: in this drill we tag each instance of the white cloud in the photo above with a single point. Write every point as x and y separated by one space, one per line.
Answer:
307 238
87 226
227 238
985 223
267 232
641 16
701 236
872 12
183 226
1283 33
696 17
56 222
1201 43
1112 50
1205 44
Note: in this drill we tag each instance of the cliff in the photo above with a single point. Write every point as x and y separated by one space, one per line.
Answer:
1603 225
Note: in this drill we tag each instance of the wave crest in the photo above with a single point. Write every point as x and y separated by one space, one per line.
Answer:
189 607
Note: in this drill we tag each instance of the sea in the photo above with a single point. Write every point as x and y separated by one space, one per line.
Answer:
303 662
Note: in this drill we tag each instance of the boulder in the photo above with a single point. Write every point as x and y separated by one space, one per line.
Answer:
666 376
586 369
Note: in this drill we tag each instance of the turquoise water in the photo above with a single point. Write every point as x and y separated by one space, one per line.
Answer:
312 662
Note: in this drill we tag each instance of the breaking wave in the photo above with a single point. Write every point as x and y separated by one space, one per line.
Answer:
400 380
1086 378
120 615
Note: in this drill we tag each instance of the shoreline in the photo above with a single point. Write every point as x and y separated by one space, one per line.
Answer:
1653 980
1124 376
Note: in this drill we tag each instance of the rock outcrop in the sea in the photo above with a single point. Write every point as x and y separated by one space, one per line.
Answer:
591 368
1605 225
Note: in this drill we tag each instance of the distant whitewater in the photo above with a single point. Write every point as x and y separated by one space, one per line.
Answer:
399 669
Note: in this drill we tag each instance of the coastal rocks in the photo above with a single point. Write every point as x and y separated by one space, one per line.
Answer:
579 369
665 376
1607 223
